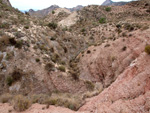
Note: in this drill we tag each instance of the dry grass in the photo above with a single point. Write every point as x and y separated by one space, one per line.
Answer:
21 103
65 100
58 99
5 98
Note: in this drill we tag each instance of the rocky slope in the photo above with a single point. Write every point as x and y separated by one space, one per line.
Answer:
93 60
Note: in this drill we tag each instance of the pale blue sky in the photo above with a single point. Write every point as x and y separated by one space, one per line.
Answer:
41 4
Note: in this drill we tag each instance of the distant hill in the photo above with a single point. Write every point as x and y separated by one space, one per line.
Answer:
110 2
79 7
45 12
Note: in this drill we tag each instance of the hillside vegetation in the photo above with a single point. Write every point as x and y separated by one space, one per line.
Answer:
92 60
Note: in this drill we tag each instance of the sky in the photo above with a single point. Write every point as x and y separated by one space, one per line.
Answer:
41 4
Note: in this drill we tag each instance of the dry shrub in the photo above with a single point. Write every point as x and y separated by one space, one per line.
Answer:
90 86
147 49
39 98
21 103
68 101
5 98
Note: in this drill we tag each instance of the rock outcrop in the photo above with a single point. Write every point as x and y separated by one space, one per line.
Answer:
6 2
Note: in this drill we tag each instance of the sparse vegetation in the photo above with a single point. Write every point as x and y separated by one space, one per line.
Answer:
63 56
9 80
62 68
52 25
26 27
129 27
17 74
74 75
4 25
37 60
83 30
63 101
107 45
5 98
89 85
21 103
108 9
88 52
147 49
53 12
102 20
49 66
124 48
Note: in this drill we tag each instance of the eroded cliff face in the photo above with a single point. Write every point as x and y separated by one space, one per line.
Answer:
130 91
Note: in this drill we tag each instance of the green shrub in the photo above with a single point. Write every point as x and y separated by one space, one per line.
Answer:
21 103
53 12
118 26
37 60
124 48
9 80
62 68
147 49
102 20
26 27
83 30
108 9
19 44
52 25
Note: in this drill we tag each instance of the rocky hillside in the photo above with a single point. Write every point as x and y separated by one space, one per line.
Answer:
92 60
110 2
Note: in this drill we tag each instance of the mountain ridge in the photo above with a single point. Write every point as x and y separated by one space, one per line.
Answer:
110 2
46 11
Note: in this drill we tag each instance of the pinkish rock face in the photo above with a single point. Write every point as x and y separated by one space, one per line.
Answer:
131 90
